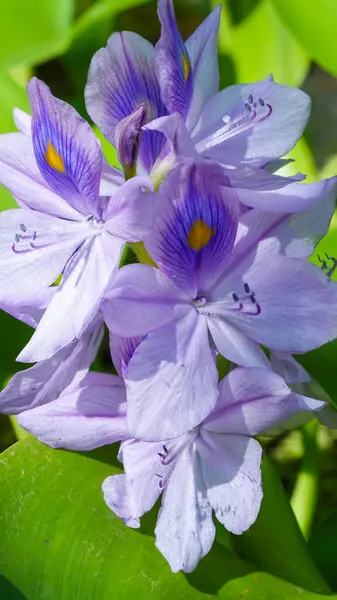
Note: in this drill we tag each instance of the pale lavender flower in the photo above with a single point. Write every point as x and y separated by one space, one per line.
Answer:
89 413
250 125
45 381
285 365
72 221
216 466
210 293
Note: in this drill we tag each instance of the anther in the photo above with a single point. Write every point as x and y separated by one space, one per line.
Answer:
250 99
23 227
261 102
247 289
17 238
235 297
248 107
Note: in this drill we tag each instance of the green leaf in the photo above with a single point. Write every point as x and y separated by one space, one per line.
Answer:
31 33
313 23
323 546
261 45
60 541
275 542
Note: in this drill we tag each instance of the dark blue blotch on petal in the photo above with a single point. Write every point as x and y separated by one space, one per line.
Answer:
195 226
66 150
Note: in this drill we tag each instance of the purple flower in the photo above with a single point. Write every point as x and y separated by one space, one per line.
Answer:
285 365
252 123
45 381
129 72
87 414
72 221
209 294
216 466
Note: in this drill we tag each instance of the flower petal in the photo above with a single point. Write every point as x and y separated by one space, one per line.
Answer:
202 48
66 149
287 367
121 350
291 198
234 345
285 304
140 300
130 211
45 381
254 400
254 123
195 226
77 299
167 390
185 530
173 64
23 121
232 475
145 474
121 78
82 418
116 496
31 311
34 250
20 174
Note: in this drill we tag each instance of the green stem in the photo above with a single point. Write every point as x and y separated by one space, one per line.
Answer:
304 498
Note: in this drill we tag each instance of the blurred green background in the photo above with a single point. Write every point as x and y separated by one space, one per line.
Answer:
296 40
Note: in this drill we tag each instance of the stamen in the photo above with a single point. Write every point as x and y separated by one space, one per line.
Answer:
23 227
243 118
163 456
329 270
243 302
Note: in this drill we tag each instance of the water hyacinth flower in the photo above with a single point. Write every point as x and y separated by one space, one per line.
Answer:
215 466
217 288
45 381
88 414
71 220
254 123
249 125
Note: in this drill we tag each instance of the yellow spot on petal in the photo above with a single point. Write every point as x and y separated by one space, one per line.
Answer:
186 65
54 159
200 235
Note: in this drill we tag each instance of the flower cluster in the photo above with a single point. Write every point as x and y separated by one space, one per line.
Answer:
226 240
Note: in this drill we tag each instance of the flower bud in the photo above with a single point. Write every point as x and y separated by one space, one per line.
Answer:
128 139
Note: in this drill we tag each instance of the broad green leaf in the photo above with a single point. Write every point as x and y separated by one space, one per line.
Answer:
58 540
275 542
260 45
313 23
32 32
323 546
